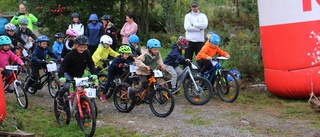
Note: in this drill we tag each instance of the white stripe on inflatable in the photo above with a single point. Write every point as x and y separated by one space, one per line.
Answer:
275 12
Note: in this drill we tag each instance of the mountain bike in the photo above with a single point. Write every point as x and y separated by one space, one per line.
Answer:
226 83
103 76
197 90
49 77
160 99
79 104
19 91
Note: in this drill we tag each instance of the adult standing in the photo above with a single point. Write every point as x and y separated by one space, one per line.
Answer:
109 29
130 27
93 33
3 21
194 23
76 24
24 14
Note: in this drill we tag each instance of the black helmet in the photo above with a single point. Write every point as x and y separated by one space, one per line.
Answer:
75 15
59 35
81 40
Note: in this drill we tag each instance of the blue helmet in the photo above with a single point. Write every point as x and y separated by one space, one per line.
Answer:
153 43
134 38
215 39
209 34
93 17
5 40
43 38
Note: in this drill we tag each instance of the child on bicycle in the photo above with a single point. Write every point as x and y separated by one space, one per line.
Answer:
11 33
75 62
5 55
103 51
25 33
58 45
148 60
116 67
38 59
133 44
175 58
207 52
69 41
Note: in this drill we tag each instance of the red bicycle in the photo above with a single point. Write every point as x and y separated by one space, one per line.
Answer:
18 86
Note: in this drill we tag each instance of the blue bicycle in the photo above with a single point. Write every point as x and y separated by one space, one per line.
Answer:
224 81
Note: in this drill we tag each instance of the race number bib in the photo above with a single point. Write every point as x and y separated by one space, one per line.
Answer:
157 73
82 81
91 92
133 68
52 67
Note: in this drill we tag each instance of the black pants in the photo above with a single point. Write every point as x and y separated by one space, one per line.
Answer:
92 49
194 47
204 65
35 70
110 78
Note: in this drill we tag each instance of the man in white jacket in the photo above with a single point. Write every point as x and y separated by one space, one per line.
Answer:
194 23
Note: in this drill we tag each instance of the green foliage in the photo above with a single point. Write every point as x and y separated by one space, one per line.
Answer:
9 6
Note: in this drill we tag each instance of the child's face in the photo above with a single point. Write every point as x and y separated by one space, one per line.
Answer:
60 40
214 45
106 45
1 14
71 38
154 50
43 44
10 32
134 44
81 48
5 47
24 26
125 55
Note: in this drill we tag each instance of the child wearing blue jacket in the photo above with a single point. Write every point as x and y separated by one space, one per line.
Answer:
174 59
58 45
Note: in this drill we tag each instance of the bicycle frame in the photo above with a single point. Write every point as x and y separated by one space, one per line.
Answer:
211 74
12 79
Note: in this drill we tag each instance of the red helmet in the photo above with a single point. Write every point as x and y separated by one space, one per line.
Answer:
183 42
71 32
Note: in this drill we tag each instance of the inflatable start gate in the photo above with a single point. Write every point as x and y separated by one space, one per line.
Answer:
2 101
290 38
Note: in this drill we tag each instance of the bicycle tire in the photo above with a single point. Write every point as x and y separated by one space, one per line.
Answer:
53 86
228 91
88 112
21 95
203 95
123 104
163 98
29 89
102 77
95 106
66 111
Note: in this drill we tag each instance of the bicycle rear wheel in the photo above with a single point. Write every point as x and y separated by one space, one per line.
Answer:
161 102
21 95
87 123
63 115
53 86
200 96
228 89
102 77
120 100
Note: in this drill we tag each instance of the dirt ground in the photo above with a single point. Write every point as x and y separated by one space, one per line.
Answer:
216 118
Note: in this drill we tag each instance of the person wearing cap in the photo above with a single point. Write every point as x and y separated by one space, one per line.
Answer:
24 14
195 23
76 24
93 33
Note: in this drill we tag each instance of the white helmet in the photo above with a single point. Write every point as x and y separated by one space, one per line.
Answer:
10 26
105 39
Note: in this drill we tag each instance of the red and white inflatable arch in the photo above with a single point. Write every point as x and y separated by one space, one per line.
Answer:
2 101
290 37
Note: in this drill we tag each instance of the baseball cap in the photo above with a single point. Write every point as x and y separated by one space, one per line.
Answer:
194 3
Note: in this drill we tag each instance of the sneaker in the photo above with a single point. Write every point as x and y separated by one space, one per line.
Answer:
175 90
103 97
131 93
10 89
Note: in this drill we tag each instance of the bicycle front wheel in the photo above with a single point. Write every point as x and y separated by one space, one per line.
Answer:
227 88
87 122
200 96
21 95
53 86
120 100
62 114
161 102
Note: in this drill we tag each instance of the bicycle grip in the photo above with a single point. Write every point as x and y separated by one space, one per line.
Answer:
62 79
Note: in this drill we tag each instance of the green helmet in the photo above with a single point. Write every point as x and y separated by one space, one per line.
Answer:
125 49
5 40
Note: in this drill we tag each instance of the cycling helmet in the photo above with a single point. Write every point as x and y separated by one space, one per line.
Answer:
93 17
183 42
134 38
75 15
125 49
106 17
153 43
215 39
23 21
43 38
10 26
209 34
71 32
5 40
106 39
81 40
59 35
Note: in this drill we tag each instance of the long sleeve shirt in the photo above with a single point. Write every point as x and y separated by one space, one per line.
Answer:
127 30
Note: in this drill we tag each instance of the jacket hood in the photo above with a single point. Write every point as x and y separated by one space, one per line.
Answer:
145 50
93 17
